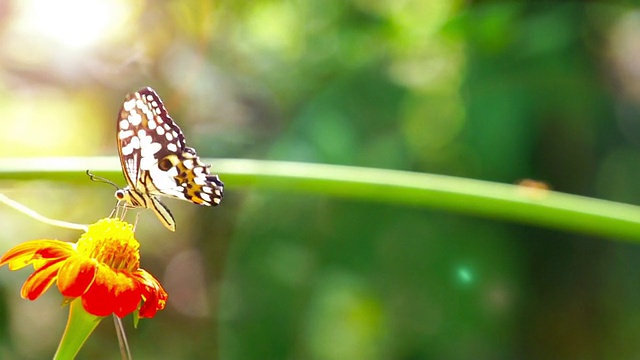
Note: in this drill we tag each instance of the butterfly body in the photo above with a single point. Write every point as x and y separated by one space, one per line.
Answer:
156 161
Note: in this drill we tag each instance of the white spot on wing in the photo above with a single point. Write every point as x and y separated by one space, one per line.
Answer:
125 134
188 164
131 167
135 142
128 105
148 147
127 150
164 181
134 118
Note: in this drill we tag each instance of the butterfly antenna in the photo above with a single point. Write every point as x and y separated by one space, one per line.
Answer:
100 179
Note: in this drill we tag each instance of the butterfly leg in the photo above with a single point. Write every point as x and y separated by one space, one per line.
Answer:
119 211
135 223
115 211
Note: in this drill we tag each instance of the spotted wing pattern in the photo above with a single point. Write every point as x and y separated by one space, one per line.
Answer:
156 160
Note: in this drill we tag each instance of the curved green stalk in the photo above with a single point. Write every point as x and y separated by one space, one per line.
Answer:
491 200
80 325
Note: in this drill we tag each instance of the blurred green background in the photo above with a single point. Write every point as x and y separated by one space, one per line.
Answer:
499 91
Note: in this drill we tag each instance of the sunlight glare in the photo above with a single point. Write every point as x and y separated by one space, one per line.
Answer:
75 24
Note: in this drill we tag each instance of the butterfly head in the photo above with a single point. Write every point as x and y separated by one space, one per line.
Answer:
136 199
121 195
131 199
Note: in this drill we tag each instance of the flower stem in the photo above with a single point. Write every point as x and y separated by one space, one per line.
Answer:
79 326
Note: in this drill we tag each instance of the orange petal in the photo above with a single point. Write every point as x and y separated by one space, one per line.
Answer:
111 292
24 254
76 275
153 294
41 280
127 295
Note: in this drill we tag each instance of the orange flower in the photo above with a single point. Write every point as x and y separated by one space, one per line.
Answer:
102 268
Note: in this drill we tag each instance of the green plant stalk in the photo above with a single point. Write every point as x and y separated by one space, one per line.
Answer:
80 325
473 197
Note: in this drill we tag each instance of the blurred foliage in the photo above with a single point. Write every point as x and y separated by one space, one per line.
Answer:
500 91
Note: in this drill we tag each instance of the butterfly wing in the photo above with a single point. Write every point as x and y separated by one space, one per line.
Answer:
146 134
155 158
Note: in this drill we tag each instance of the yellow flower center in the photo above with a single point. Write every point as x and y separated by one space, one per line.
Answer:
111 242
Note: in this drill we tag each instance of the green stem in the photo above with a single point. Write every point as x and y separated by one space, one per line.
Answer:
79 326
481 198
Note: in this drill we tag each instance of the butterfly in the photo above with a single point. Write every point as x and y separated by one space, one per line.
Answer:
156 161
